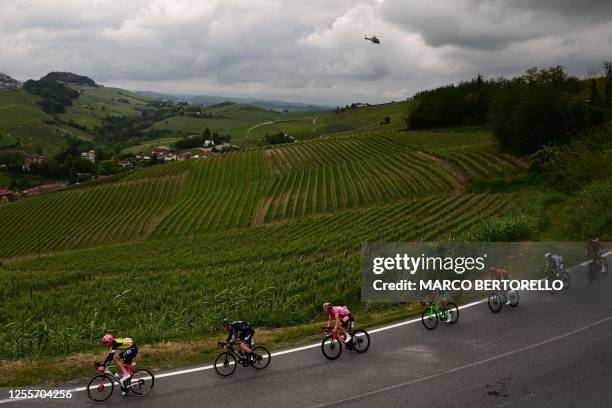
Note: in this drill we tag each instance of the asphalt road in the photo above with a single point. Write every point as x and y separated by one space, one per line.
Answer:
550 351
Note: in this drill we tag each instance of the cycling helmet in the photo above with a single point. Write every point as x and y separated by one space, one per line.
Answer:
547 255
107 339
327 306
226 322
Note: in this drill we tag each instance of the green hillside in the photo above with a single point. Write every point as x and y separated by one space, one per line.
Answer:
25 127
265 234
93 104
248 125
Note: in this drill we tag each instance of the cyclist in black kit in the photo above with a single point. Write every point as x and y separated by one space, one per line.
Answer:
241 331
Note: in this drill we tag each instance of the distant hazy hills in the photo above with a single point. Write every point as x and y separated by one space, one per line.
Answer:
261 103
6 82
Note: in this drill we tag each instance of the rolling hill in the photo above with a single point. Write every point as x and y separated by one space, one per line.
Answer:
25 127
264 233
248 124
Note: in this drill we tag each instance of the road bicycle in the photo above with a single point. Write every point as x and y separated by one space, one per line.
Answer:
499 298
331 346
433 313
102 386
597 267
226 362
553 273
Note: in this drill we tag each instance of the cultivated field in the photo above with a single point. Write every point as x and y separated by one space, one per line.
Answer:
264 234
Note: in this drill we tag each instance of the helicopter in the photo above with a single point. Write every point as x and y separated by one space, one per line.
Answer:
373 39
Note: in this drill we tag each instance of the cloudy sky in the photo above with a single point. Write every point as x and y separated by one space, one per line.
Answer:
307 51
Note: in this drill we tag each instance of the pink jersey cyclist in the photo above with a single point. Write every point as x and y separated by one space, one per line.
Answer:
340 313
342 316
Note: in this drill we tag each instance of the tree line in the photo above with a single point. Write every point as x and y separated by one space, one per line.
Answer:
542 107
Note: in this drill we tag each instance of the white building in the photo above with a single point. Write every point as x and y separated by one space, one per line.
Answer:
90 155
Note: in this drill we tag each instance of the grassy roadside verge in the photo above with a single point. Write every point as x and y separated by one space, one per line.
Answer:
74 370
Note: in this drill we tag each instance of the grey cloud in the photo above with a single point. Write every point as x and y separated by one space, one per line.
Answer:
305 51
493 24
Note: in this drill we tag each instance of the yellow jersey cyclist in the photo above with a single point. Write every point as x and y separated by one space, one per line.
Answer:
127 349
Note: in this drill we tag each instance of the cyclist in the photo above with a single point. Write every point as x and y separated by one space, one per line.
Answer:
242 332
595 252
499 273
594 248
343 319
127 352
439 297
554 263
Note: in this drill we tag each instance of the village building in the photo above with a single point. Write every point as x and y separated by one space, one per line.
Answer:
90 155
142 157
124 164
34 159
5 192
185 156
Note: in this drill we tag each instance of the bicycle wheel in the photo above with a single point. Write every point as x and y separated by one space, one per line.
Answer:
567 281
361 341
142 382
495 303
429 318
225 364
100 388
331 348
594 269
513 296
452 314
262 358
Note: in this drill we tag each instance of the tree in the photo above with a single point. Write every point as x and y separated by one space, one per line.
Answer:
541 107
206 134
608 87
278 138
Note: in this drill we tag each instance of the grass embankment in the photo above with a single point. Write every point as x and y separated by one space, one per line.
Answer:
77 368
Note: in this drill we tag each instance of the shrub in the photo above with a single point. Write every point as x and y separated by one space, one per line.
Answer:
590 213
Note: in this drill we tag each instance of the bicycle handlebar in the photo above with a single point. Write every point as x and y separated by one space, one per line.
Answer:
223 344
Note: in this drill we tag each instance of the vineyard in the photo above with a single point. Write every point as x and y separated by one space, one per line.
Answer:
264 234
273 275
85 217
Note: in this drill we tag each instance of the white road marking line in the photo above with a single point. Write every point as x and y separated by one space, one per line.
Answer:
465 366
293 350
585 263
277 353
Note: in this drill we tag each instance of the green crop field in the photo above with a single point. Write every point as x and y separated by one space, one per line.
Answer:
265 234
86 216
